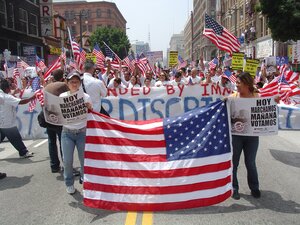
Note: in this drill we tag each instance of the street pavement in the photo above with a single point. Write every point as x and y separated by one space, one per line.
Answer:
32 195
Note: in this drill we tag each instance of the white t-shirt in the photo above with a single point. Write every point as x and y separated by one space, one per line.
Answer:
8 112
96 89
81 124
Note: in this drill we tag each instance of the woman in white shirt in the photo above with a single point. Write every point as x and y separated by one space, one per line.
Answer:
163 80
73 134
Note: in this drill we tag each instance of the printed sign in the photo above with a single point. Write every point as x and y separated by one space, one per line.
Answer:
173 58
30 72
237 61
251 66
65 110
253 116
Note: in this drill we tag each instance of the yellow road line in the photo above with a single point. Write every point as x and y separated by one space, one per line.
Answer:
131 218
147 218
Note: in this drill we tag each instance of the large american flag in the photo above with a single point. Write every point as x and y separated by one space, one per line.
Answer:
220 36
100 58
160 164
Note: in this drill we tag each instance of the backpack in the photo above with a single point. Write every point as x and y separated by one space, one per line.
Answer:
42 121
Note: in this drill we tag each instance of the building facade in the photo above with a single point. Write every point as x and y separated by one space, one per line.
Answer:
177 43
188 38
140 47
92 15
201 45
20 28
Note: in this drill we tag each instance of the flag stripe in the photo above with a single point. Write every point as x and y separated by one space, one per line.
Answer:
153 190
157 173
109 205
163 182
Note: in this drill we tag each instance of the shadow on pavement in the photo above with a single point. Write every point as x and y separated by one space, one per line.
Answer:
14 182
22 161
273 201
269 200
289 158
99 214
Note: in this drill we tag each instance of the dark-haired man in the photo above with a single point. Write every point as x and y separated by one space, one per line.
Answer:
8 118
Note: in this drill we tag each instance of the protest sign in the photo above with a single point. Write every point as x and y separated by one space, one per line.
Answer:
65 110
237 60
253 116
251 66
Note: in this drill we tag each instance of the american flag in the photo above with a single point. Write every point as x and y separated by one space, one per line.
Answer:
40 64
82 54
21 64
128 61
230 75
213 63
100 58
16 75
110 53
181 62
278 86
220 36
36 84
56 65
160 164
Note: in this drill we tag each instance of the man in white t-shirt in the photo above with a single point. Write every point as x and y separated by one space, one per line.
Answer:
95 88
8 118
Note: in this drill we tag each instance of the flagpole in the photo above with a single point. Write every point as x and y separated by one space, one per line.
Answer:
70 38
110 48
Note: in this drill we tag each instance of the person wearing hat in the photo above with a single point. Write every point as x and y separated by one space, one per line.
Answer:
73 134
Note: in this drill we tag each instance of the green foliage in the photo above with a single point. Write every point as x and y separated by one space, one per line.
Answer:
115 38
283 18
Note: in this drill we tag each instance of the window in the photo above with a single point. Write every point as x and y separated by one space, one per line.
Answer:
89 14
3 15
67 15
11 16
90 28
23 18
73 30
33 28
108 13
98 13
33 1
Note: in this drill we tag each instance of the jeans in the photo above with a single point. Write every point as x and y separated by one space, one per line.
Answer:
70 139
14 137
249 145
53 134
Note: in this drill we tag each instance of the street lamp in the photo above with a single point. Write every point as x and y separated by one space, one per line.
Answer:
81 15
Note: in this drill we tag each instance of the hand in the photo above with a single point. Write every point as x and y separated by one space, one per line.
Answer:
89 105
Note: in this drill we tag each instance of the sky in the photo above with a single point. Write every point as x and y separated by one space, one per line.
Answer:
160 18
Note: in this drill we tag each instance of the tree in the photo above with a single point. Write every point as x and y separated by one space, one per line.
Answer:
283 18
115 38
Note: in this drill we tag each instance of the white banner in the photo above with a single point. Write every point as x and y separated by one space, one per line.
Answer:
65 110
253 116
159 102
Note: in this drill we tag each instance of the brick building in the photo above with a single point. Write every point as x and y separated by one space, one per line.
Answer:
20 27
93 15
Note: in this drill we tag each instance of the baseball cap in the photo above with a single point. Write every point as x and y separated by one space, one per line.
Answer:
72 74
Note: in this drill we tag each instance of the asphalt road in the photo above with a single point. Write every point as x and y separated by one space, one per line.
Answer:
31 194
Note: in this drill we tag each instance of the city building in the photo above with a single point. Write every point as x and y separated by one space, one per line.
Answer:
82 16
20 29
188 38
202 46
177 44
140 47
